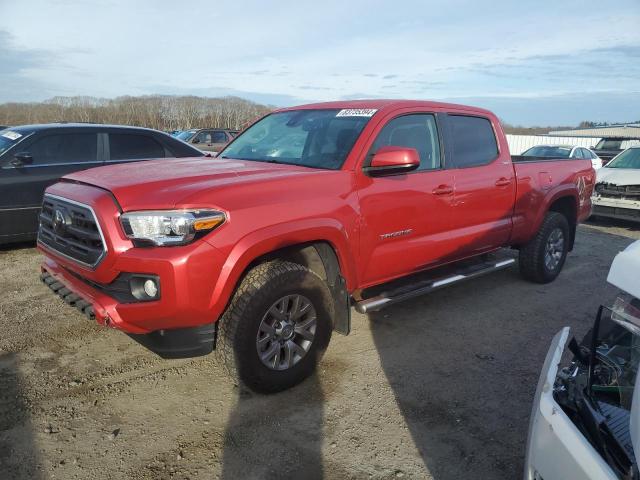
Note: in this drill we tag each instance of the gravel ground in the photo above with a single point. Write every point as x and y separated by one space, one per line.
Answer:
439 387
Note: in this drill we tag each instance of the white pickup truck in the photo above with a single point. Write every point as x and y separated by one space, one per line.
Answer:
585 421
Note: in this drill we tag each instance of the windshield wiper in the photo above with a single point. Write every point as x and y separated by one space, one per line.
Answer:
253 159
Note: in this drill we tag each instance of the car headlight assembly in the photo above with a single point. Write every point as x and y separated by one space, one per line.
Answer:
169 227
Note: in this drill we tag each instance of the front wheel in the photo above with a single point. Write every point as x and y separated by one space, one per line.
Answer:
276 327
542 259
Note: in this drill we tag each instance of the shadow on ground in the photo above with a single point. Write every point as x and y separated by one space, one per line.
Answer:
18 452
463 363
276 436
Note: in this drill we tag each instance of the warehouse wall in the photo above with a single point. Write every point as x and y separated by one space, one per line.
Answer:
520 143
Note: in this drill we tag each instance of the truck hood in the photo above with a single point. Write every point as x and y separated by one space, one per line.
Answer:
618 176
168 183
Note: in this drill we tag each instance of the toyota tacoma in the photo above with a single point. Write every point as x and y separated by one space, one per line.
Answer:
261 252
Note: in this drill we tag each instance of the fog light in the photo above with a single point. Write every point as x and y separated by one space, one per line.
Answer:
150 288
145 287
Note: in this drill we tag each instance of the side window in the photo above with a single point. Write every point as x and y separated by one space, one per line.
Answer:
203 137
577 153
125 146
472 140
219 137
65 148
417 131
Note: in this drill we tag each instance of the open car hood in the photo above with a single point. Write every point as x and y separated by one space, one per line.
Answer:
625 270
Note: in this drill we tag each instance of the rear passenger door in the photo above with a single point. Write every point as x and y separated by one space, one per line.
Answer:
53 156
485 185
123 147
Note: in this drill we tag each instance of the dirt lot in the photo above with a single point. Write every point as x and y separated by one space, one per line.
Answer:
439 387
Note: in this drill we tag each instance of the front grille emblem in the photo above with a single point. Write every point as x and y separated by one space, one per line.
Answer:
60 222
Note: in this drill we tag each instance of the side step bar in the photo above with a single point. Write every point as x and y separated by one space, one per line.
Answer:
397 295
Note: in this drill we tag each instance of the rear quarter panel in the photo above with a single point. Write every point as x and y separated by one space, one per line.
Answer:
540 184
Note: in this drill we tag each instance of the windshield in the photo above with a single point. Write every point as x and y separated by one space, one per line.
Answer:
605 144
186 135
548 151
310 138
8 139
628 159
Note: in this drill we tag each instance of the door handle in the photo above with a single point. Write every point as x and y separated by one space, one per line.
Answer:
503 182
443 190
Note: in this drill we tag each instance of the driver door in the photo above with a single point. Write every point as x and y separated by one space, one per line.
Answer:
406 217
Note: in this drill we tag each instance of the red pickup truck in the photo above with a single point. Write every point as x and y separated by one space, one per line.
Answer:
311 210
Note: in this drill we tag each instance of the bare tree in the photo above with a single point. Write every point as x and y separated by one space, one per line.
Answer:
162 112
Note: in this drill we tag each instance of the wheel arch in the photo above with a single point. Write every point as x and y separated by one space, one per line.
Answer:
323 249
567 205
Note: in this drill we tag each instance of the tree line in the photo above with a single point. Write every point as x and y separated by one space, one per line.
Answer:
162 112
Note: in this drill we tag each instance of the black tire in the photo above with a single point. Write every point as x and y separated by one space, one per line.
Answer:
532 255
261 287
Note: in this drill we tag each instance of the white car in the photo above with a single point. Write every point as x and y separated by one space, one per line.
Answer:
617 190
585 421
564 151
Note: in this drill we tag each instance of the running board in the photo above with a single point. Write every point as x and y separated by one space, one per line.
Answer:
397 295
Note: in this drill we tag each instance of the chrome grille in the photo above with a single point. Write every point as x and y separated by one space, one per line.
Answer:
71 229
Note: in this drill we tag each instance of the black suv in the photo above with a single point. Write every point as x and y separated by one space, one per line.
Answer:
32 157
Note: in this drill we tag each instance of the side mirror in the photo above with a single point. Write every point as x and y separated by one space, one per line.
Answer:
393 161
195 140
20 159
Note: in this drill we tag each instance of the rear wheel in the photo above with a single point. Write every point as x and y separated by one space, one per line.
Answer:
276 327
542 259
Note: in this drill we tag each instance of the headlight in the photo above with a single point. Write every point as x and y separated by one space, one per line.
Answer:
169 227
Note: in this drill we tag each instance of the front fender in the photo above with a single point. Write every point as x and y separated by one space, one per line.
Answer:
275 237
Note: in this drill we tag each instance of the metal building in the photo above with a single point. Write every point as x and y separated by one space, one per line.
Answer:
624 131
519 143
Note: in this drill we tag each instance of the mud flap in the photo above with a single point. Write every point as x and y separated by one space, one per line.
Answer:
337 285
342 308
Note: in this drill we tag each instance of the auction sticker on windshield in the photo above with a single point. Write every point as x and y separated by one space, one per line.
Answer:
356 112
12 135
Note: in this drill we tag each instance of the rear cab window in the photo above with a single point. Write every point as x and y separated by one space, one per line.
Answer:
472 140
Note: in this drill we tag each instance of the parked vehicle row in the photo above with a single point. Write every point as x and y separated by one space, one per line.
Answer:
32 157
261 251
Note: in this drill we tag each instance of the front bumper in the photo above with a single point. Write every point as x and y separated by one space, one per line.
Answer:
188 305
616 208
174 343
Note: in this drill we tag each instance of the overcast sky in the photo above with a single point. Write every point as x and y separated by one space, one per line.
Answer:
536 62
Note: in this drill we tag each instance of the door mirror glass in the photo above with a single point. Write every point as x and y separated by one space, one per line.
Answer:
390 160
21 159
